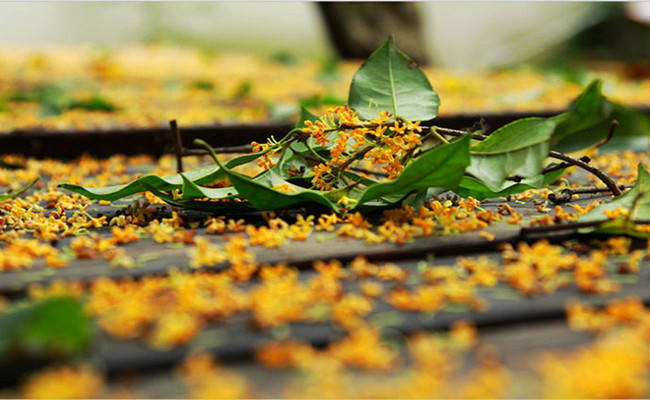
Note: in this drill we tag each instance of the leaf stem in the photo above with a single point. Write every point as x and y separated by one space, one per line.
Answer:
312 151
432 131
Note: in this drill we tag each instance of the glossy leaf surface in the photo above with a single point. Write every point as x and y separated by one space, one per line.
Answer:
390 81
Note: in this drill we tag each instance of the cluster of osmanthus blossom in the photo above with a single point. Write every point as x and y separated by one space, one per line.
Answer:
348 140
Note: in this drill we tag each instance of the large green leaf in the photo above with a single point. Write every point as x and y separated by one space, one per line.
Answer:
636 202
54 327
589 120
443 166
633 131
198 176
390 81
583 125
269 196
518 148
189 199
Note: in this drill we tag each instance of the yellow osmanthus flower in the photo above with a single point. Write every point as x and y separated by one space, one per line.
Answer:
463 335
264 236
175 328
371 288
615 366
278 354
327 222
363 349
279 299
236 226
204 254
483 270
424 298
120 259
175 221
164 310
125 235
63 382
23 253
284 187
160 232
346 201
583 317
215 225
205 379
618 212
350 309
242 261
618 245
385 272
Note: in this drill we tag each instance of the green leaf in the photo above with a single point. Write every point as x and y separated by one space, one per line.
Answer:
18 192
96 103
198 176
443 166
390 81
518 148
589 120
221 207
586 123
305 115
470 187
633 131
191 191
635 201
54 327
202 84
264 196
324 100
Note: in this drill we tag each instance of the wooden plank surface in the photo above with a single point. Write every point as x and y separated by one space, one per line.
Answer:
300 254
157 140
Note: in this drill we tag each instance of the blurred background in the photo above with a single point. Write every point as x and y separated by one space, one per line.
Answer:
466 35
103 65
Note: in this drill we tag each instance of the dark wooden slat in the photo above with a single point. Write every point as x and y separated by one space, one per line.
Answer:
299 254
41 143
104 143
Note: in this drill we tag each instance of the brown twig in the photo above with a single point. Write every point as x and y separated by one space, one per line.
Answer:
552 168
587 167
569 226
566 194
182 151
563 165
178 145
610 133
